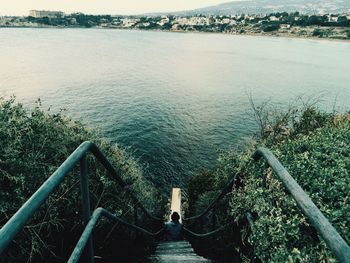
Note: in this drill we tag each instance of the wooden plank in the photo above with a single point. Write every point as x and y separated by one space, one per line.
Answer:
175 205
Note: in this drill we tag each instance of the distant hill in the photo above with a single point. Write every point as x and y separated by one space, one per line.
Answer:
271 6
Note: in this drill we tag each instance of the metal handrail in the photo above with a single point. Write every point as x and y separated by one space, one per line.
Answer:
96 216
325 229
208 234
18 220
212 205
333 239
224 191
335 242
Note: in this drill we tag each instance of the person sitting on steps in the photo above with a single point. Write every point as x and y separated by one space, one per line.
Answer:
173 228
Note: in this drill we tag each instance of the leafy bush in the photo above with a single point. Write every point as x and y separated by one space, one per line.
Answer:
198 185
316 152
318 32
348 34
34 143
276 124
271 27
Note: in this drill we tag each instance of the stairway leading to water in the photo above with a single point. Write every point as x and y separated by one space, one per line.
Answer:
178 251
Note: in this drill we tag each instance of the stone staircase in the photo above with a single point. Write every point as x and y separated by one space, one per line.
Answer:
176 251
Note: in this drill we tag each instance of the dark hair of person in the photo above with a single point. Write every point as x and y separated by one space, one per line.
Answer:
175 216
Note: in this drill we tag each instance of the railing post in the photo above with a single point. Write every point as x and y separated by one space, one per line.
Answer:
213 218
135 214
88 255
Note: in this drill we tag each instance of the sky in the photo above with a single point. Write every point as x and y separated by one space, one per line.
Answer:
22 7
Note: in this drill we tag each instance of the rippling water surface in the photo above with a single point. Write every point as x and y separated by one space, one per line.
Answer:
174 99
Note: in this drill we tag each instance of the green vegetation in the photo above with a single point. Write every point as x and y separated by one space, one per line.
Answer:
314 147
214 22
33 145
279 23
272 27
348 33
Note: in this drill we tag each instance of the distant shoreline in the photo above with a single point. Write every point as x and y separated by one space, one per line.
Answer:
291 25
278 35
273 34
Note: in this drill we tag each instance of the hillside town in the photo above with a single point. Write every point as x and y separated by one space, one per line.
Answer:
336 26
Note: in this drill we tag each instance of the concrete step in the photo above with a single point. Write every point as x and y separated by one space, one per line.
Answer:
177 251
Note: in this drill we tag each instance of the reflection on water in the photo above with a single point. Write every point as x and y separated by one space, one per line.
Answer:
174 99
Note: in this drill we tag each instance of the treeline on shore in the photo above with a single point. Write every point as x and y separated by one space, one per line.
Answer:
167 21
317 25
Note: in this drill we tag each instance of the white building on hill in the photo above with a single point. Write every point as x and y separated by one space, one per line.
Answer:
42 13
